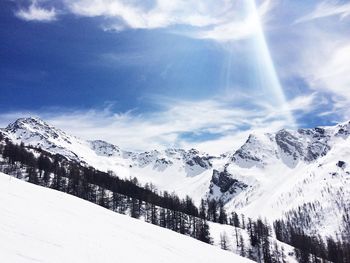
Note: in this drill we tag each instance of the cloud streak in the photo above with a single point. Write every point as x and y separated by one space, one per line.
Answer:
318 53
160 15
220 20
227 120
327 9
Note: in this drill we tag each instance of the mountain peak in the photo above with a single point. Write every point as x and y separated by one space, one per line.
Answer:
36 132
28 122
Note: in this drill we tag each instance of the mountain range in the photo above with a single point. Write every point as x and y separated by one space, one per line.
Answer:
272 175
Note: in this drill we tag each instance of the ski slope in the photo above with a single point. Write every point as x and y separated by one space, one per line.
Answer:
42 225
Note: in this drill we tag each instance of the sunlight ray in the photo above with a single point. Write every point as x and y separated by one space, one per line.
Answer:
265 76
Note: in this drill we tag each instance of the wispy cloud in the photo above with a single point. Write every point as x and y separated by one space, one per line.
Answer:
326 9
160 14
230 121
237 27
335 74
36 13
318 53
215 19
221 20
325 66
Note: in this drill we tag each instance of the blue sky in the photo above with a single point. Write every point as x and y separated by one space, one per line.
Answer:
158 73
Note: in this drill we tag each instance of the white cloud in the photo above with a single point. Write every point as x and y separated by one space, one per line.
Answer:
319 53
324 61
335 74
304 103
235 27
36 13
214 19
221 20
229 31
326 9
226 118
162 14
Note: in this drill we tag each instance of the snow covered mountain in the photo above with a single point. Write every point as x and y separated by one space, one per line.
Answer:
42 225
271 175
294 171
173 169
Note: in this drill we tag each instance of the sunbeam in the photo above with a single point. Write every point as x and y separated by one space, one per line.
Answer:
266 73
265 79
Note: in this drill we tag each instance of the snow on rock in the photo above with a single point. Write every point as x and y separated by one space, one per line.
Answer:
224 187
269 176
307 173
255 152
37 133
172 169
43 225
103 148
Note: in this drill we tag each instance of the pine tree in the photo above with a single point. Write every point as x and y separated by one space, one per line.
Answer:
135 209
154 214
242 246
202 210
203 229
32 176
102 198
235 219
236 237
243 221
213 210
224 241
222 214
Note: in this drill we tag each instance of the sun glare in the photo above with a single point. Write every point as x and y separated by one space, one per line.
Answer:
265 77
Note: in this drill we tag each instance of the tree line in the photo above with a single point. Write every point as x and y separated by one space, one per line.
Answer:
129 197
167 209
105 189
313 248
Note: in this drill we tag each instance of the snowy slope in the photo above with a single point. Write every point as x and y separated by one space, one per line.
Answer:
269 176
43 225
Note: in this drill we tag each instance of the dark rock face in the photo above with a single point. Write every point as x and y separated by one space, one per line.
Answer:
201 161
163 161
315 150
245 155
226 183
314 145
289 143
341 164
344 130
319 132
318 147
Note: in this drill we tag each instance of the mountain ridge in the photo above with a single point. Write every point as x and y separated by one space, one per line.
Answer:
271 175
